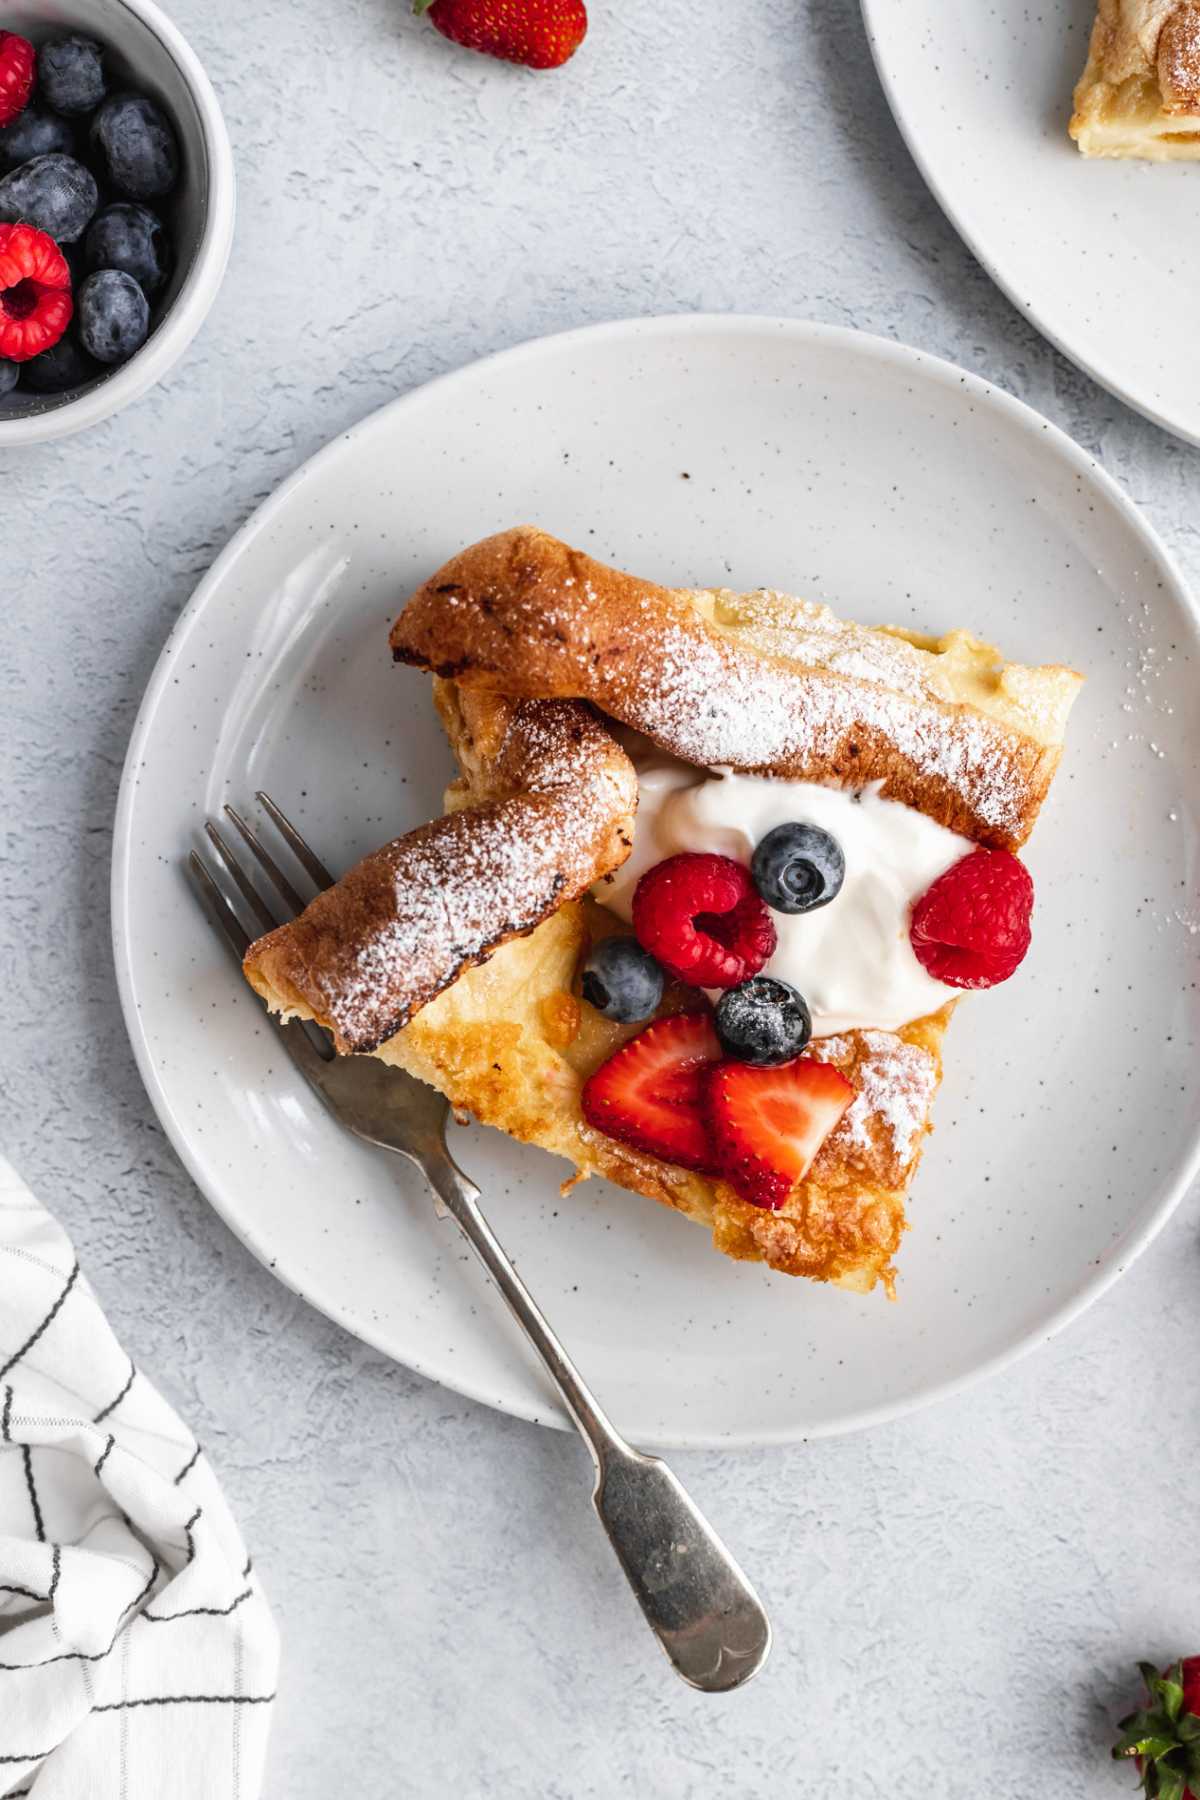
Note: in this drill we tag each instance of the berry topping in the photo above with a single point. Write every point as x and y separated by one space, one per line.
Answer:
651 1093
797 868
702 917
764 1021
16 75
55 193
971 928
129 237
38 132
541 34
136 146
622 980
56 370
59 151
1163 1735
35 292
114 316
71 74
768 1124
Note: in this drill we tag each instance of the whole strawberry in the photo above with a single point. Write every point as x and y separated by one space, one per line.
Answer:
16 75
541 34
1163 1737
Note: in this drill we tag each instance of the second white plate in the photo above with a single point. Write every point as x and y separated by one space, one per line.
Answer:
745 451
1104 257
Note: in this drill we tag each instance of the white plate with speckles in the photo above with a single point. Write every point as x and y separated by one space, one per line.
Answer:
1103 256
703 450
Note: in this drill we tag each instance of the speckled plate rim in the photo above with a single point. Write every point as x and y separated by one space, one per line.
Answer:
922 367
1100 371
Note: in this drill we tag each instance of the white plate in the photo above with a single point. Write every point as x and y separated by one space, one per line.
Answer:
695 449
1103 256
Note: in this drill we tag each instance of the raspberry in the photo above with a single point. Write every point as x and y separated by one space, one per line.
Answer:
704 920
16 75
35 292
971 928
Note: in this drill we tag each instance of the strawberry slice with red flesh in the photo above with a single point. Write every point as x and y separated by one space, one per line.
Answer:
650 1095
768 1124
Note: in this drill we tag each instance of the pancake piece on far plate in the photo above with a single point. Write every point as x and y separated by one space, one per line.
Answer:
1139 95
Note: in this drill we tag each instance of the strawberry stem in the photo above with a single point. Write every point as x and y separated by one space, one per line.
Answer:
1163 1737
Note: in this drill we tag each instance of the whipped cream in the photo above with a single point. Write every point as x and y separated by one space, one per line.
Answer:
852 959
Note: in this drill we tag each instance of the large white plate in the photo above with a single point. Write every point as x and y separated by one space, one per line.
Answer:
1103 256
695 449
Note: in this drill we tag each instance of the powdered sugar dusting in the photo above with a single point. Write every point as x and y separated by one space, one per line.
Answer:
403 924
721 680
895 1082
449 899
811 633
748 712
1179 60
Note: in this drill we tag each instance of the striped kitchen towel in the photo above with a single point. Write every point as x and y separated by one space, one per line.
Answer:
137 1652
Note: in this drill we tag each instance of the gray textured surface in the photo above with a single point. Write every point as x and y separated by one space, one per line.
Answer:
958 1598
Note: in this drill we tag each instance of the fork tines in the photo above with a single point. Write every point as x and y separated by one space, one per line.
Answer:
264 913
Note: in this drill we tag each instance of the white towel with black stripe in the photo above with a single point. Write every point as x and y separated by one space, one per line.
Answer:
137 1652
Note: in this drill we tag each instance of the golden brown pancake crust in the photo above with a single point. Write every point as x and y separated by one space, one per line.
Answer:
554 813
1139 94
522 613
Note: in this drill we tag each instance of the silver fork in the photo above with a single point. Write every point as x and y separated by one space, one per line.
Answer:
695 1598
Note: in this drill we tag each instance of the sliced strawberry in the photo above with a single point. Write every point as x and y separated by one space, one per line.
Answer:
651 1093
768 1124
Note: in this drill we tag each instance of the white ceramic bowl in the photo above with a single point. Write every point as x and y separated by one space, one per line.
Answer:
148 54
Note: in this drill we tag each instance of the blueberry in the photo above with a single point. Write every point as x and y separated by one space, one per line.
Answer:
129 237
55 193
764 1021
137 146
622 980
10 374
65 365
71 73
797 868
36 132
114 316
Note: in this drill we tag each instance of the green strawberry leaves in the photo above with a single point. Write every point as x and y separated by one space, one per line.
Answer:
1163 1737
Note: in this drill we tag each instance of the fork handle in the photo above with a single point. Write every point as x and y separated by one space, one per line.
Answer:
695 1598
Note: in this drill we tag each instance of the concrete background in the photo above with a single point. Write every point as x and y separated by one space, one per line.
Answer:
958 1598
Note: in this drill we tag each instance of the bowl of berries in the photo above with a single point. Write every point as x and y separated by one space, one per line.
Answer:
116 209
